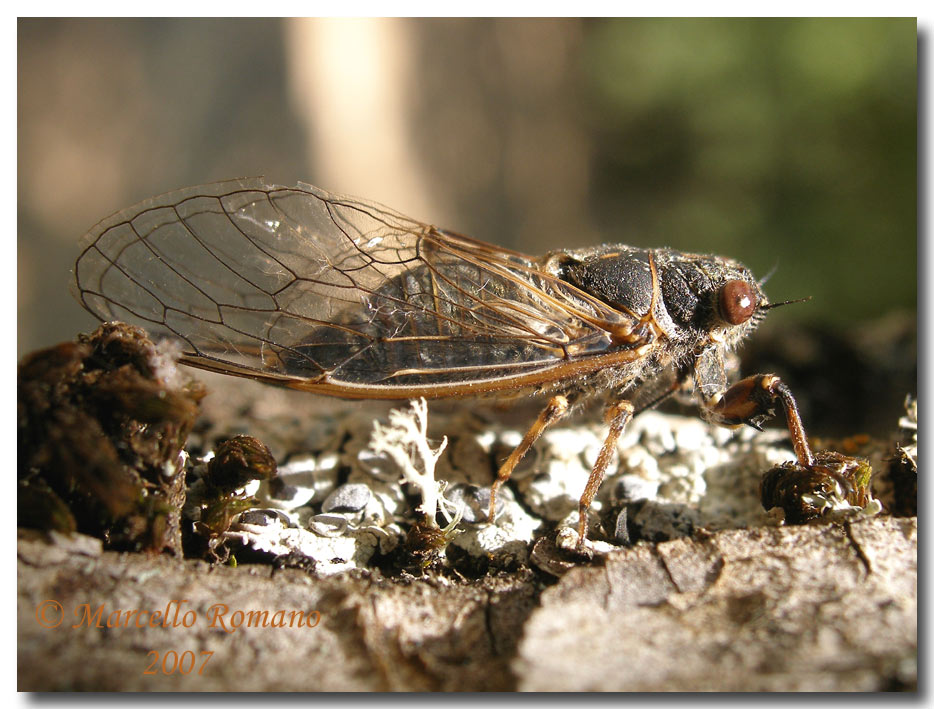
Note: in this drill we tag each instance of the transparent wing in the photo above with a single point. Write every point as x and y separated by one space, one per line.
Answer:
330 293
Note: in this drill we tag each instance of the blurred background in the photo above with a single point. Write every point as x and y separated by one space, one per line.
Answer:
787 144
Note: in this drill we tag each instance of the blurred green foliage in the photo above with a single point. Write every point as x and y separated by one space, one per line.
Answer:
788 143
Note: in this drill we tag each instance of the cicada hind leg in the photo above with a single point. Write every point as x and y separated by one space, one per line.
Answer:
556 409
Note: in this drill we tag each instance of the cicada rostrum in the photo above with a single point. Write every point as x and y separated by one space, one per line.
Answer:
333 295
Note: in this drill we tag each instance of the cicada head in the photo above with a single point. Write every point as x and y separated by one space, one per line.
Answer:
711 299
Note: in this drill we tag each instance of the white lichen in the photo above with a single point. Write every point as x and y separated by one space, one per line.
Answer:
405 440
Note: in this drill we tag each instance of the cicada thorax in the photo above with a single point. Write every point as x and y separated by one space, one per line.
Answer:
669 294
622 276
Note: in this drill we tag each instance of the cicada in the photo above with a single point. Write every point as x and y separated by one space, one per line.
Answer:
334 295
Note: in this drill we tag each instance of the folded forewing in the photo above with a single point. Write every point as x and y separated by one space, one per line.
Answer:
320 291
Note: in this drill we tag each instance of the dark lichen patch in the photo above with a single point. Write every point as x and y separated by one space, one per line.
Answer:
216 516
833 483
425 544
100 427
239 460
217 498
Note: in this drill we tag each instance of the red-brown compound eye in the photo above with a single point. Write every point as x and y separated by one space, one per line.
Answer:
737 302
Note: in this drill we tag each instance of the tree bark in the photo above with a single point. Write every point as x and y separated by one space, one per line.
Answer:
816 607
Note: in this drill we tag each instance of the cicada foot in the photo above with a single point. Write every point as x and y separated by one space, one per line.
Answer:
752 401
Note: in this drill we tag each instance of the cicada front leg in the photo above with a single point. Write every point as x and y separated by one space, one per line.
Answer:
752 401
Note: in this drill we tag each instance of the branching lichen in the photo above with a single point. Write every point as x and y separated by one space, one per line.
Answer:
405 440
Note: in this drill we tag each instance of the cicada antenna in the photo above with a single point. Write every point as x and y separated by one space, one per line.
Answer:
769 306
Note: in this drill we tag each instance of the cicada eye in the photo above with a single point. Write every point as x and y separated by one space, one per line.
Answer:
737 302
